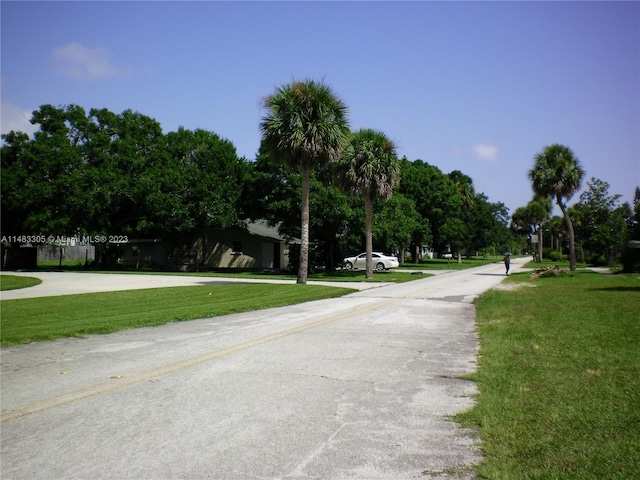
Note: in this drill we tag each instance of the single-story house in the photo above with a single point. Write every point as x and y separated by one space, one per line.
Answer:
246 246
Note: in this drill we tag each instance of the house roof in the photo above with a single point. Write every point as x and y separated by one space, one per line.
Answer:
261 228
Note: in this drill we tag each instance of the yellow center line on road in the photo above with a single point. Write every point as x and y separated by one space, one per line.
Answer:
127 380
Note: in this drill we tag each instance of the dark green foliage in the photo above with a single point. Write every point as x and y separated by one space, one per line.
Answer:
452 214
601 224
118 174
631 253
111 174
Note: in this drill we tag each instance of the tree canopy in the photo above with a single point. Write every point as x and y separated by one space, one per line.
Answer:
100 172
116 174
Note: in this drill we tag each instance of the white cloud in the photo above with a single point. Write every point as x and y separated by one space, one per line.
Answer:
84 63
13 117
485 152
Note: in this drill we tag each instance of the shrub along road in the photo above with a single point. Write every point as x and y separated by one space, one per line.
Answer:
359 386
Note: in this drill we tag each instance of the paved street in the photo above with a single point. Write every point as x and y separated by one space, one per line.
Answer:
357 387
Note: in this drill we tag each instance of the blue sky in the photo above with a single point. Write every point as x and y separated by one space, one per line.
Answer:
479 87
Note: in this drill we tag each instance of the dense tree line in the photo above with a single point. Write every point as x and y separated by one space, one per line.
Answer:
98 172
118 174
104 173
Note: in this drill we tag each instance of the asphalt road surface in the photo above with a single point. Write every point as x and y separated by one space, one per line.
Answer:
357 387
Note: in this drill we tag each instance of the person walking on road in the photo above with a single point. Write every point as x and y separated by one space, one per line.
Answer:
507 261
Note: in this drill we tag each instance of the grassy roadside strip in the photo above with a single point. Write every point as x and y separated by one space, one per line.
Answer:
559 378
48 318
330 276
14 282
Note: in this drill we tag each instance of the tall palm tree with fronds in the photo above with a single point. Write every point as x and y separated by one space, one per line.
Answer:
305 127
557 173
369 167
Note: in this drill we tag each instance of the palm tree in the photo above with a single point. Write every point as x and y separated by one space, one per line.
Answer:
557 173
305 127
369 167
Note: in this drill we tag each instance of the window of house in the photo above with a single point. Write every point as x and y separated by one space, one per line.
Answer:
236 248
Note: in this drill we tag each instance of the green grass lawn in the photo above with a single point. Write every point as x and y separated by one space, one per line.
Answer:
559 378
327 276
333 276
48 318
14 282
452 264
546 263
66 264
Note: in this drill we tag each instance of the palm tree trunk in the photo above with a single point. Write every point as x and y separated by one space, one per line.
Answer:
540 242
303 267
572 243
368 217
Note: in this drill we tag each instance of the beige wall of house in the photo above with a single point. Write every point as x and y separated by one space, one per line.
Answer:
233 248
237 248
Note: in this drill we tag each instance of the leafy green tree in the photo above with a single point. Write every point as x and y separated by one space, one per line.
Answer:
273 193
467 202
123 166
602 228
203 184
631 254
521 226
528 220
557 173
305 127
487 225
272 190
369 168
42 177
498 233
395 223
436 198
539 212
334 213
210 176
453 232
16 199
556 227
116 174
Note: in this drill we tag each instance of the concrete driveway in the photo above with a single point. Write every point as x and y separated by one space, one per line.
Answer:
69 283
358 387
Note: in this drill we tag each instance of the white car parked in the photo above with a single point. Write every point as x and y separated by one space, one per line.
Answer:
380 262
